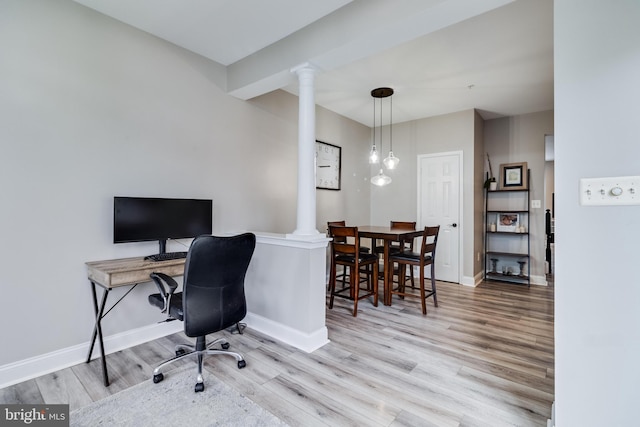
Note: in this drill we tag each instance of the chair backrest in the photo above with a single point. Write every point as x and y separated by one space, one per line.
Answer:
429 241
341 245
403 225
335 223
213 286
338 223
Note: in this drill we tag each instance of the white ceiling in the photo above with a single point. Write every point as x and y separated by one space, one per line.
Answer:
440 56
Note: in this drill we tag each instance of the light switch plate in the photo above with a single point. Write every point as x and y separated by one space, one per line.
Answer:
610 191
536 204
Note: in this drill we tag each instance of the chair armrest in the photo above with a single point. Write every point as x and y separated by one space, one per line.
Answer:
159 278
170 281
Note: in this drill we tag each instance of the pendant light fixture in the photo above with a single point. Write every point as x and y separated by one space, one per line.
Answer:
381 179
374 158
391 161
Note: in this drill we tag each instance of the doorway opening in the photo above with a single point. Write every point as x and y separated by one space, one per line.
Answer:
549 204
440 203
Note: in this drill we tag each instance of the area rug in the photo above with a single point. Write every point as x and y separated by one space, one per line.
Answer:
173 402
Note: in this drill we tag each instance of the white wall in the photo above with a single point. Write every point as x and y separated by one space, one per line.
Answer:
91 108
597 304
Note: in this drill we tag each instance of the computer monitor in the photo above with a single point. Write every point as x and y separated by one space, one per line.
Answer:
140 219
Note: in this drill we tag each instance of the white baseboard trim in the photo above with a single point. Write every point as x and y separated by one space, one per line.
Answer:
304 341
23 370
465 280
33 367
535 280
552 421
473 281
539 280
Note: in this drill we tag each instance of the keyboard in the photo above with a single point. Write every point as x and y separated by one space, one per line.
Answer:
166 256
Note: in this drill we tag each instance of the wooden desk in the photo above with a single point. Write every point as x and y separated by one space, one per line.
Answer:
388 235
115 273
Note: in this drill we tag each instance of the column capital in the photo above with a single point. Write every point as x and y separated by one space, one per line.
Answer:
305 68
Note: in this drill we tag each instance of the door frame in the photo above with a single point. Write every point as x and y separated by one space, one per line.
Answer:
460 155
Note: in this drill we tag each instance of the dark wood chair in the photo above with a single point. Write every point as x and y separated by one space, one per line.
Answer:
345 252
343 224
396 246
345 272
426 257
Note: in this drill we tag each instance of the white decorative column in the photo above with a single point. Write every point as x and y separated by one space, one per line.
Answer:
306 218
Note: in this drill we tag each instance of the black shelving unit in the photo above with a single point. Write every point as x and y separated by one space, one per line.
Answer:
507 245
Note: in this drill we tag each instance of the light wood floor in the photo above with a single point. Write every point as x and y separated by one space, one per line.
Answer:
484 357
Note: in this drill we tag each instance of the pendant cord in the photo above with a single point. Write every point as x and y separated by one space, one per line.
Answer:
374 122
381 150
391 124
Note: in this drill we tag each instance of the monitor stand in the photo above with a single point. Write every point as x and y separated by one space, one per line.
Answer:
162 244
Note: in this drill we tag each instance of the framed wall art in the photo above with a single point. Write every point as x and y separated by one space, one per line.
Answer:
513 176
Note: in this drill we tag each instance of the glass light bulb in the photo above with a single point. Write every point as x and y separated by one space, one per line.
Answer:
373 155
391 161
381 179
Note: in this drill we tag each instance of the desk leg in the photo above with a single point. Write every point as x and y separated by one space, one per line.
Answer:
97 331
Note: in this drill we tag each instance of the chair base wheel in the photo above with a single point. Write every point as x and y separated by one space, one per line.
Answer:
225 346
241 364
157 378
199 387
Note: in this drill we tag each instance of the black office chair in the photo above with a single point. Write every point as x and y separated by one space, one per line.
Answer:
212 298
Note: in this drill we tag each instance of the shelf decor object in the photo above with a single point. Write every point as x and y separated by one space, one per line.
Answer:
494 265
522 264
490 183
513 176
508 222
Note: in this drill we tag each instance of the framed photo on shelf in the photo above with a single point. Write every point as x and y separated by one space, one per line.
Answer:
508 222
513 176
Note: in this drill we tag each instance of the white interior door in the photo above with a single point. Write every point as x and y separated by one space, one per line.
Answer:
439 178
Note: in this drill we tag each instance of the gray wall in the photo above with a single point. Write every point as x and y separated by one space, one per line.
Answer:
597 63
91 108
397 201
478 201
507 140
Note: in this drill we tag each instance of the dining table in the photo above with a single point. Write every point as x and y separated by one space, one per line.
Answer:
387 235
